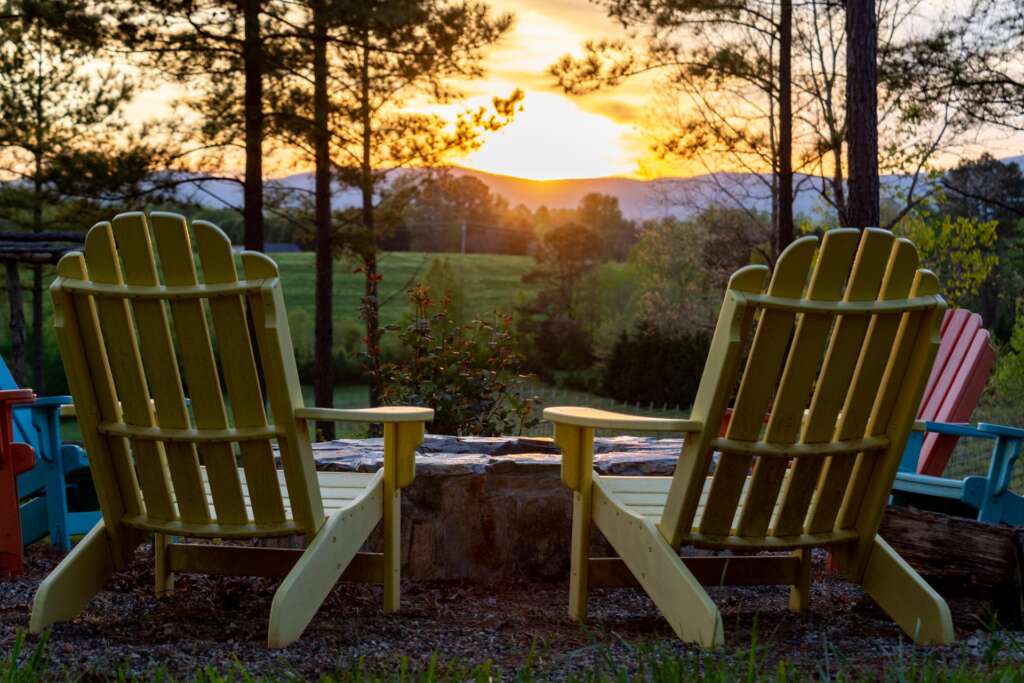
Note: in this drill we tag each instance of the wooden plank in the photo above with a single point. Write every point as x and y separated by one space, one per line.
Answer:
832 267
331 550
906 597
89 376
709 405
160 364
234 560
760 570
950 322
897 403
663 576
66 590
910 355
768 352
898 267
122 349
240 376
201 376
605 419
270 321
959 403
958 330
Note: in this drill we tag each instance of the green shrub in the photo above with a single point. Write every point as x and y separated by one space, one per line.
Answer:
469 374
652 366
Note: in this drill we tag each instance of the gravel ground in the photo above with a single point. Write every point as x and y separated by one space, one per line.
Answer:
214 621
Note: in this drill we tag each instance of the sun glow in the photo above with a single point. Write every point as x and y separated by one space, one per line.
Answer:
552 138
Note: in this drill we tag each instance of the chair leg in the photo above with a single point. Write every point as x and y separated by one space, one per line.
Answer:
659 570
579 555
901 592
70 587
161 570
392 522
800 592
321 565
57 504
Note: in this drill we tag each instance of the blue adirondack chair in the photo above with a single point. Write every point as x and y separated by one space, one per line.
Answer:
990 495
43 489
962 366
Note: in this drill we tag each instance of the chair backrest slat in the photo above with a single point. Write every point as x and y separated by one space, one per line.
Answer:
836 341
764 363
898 272
899 396
160 364
811 336
176 260
709 405
91 379
122 348
953 325
284 390
240 375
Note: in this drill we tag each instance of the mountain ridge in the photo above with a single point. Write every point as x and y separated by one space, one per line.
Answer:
639 199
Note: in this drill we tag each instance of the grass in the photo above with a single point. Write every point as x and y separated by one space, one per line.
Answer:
642 664
491 281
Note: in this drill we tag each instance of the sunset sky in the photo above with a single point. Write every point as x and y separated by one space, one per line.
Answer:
557 136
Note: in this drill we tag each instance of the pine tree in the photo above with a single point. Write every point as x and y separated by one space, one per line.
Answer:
63 135
376 56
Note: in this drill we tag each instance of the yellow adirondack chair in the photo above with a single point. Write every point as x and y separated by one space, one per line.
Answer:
159 468
847 333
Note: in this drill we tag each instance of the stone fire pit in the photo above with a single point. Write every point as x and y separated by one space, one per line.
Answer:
490 510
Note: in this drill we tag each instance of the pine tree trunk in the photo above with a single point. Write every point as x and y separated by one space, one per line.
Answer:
16 322
252 55
862 113
323 385
37 280
371 298
784 229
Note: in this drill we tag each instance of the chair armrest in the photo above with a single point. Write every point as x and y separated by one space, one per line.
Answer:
403 433
604 419
382 414
574 434
47 401
13 397
1001 430
956 429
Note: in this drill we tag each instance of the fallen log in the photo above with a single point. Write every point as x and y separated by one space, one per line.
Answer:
960 556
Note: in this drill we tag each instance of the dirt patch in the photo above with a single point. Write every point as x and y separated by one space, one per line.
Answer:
214 621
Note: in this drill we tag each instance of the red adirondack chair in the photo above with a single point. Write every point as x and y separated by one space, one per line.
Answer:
962 366
15 458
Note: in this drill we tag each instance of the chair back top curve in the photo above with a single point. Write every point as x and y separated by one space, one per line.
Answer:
836 351
962 367
162 348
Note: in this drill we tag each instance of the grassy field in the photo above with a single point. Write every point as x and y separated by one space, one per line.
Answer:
491 281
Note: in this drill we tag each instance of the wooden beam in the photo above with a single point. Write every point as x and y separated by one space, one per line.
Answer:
233 560
758 570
